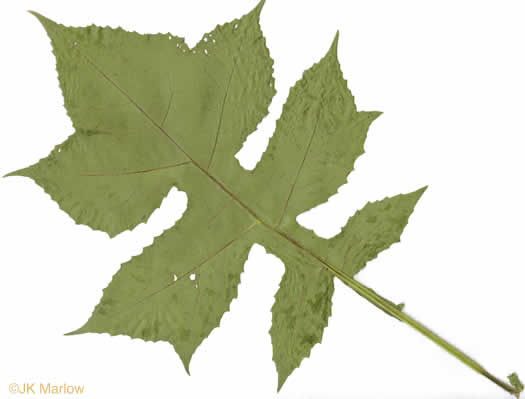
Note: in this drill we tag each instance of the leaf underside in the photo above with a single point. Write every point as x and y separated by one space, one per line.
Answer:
149 114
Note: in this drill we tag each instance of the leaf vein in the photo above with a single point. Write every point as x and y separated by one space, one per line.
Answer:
167 109
198 266
220 117
133 172
299 171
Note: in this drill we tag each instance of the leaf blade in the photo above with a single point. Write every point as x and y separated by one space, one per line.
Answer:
204 131
126 124
317 139
372 229
303 304
144 301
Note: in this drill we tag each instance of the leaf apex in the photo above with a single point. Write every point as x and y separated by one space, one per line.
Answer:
416 195
281 380
336 39
421 191
335 42
10 174
258 8
43 20
373 115
19 172
186 363
81 330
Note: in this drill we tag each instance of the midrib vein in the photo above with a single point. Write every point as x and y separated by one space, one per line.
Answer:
299 170
139 108
219 125
134 172
336 271
198 267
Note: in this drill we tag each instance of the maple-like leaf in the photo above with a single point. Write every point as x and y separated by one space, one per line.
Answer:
149 114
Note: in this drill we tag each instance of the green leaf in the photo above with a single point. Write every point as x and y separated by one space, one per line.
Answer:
150 114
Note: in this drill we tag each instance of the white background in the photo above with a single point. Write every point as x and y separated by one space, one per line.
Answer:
449 77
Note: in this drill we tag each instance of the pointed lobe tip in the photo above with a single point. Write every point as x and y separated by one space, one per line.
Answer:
335 42
281 379
46 22
259 7
37 15
74 332
17 172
